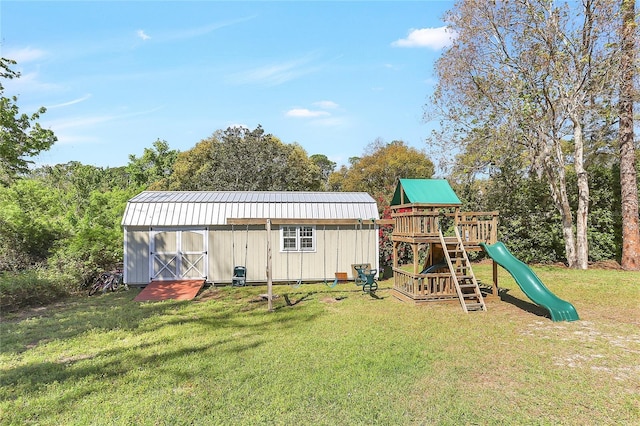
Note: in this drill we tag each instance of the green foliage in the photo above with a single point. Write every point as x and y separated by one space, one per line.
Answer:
240 159
326 167
95 243
529 221
604 211
190 166
31 221
154 167
21 135
66 216
377 172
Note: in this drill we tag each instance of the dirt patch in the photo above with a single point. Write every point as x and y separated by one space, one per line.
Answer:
209 294
74 358
606 264
20 314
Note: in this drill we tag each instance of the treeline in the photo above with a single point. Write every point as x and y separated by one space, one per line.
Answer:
66 218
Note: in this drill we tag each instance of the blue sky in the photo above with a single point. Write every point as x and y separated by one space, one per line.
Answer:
116 76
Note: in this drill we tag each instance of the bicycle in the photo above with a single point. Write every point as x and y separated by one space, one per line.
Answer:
108 281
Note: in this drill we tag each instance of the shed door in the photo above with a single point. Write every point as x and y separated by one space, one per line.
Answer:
178 254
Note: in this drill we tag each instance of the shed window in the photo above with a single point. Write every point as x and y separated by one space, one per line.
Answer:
298 238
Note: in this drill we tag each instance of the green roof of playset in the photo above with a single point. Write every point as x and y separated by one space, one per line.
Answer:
425 191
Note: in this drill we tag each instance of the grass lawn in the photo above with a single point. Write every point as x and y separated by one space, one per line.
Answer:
329 356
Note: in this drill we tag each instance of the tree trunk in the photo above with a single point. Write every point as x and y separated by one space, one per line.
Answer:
558 186
629 190
582 214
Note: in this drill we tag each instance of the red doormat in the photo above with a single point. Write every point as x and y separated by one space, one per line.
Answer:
175 290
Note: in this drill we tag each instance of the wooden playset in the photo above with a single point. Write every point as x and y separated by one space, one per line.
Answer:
426 215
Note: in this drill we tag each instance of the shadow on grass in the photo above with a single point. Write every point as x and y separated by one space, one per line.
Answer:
523 304
75 317
304 297
374 295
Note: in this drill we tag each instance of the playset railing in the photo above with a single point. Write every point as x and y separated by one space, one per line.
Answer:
424 286
417 226
474 227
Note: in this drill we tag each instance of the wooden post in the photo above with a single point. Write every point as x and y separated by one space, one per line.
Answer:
269 280
494 290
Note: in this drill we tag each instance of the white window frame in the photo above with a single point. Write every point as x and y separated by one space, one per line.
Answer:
299 237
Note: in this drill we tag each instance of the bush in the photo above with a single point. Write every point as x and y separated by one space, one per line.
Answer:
30 288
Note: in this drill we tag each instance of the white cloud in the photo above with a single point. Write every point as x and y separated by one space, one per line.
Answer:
26 54
326 104
30 83
434 38
72 102
203 30
141 34
276 74
306 113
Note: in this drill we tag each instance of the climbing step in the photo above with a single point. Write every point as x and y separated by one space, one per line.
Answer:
475 307
461 273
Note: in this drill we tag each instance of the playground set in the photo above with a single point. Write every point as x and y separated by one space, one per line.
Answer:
174 239
426 215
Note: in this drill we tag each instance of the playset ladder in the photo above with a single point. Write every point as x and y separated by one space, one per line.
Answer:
461 273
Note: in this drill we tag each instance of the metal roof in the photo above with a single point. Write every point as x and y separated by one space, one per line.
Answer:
425 191
204 208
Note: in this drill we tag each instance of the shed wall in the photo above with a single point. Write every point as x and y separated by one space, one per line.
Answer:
136 255
336 250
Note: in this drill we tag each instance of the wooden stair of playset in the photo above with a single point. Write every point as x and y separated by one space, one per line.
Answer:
461 273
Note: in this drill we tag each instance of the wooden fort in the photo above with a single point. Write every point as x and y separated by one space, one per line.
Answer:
426 216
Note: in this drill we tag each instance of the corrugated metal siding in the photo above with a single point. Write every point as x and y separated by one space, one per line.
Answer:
336 250
137 256
191 208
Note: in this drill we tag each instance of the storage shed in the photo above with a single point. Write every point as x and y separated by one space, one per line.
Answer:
172 235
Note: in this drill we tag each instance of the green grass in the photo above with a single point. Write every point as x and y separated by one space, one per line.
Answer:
330 356
30 288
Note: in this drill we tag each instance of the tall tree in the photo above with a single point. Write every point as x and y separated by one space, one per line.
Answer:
378 170
628 180
531 77
153 167
21 135
190 166
239 159
326 167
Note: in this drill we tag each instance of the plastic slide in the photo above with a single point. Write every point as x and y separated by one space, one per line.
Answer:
530 284
431 268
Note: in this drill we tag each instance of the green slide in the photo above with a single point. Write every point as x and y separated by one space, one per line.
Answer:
530 284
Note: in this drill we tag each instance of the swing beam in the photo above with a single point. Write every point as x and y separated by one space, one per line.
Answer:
263 221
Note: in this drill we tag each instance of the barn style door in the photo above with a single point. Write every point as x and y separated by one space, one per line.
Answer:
177 254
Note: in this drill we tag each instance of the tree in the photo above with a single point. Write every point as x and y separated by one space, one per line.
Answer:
21 135
628 181
190 165
94 239
530 77
240 159
31 223
326 167
377 172
153 167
